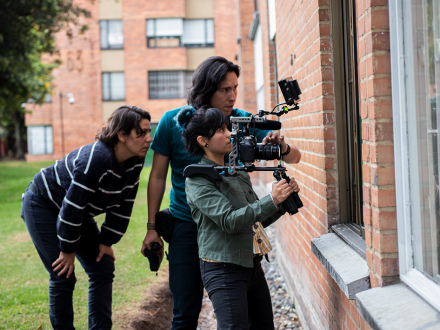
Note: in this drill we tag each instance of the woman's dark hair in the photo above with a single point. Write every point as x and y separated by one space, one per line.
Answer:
123 119
202 122
208 75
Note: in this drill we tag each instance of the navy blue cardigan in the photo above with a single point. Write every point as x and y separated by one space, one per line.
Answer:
87 182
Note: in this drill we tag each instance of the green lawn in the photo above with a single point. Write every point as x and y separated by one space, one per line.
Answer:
23 278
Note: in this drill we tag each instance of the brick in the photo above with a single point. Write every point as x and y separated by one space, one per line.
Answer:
383 198
384 220
386 266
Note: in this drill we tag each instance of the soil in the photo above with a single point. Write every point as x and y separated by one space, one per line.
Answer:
154 312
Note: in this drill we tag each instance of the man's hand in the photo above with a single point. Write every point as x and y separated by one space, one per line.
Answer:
65 263
150 237
104 249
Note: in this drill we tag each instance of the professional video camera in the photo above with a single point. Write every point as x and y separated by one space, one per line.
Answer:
245 145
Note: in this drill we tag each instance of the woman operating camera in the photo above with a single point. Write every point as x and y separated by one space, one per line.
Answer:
61 201
230 222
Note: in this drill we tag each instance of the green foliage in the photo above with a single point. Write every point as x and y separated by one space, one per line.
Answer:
24 280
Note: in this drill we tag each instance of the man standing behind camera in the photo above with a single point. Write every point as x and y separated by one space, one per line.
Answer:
215 84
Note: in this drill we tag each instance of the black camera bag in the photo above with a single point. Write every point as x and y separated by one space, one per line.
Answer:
164 224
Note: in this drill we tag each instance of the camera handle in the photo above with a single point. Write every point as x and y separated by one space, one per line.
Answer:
293 202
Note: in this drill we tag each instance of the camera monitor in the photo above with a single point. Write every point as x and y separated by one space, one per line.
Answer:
290 89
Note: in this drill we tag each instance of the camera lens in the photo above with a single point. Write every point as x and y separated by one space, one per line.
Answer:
267 152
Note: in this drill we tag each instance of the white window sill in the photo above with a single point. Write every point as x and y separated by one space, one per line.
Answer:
396 307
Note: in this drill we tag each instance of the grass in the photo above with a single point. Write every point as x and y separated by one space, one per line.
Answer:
24 280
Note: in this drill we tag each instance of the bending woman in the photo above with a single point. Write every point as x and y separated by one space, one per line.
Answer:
61 201
230 222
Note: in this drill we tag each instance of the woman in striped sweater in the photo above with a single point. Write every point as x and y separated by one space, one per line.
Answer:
61 201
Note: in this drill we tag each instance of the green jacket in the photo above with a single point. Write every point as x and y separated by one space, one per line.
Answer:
224 212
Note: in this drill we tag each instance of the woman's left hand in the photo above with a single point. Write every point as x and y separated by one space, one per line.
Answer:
64 263
104 249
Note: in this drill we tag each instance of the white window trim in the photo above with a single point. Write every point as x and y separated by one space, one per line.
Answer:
401 64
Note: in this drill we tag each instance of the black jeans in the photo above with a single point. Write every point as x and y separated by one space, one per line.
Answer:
185 279
240 296
40 216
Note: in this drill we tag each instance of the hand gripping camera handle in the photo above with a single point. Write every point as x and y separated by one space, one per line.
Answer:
289 204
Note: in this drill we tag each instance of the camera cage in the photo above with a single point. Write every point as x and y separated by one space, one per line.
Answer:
291 91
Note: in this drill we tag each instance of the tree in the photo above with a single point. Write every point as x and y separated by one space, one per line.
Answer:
27 35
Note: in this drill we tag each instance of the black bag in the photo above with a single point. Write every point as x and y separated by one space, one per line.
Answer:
164 224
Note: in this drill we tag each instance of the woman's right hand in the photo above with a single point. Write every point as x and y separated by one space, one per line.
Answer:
65 263
280 191
150 237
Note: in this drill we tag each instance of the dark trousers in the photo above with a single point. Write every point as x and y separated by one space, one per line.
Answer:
240 296
40 216
185 280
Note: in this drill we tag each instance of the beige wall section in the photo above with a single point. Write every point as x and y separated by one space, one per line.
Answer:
110 9
108 107
199 9
112 60
195 56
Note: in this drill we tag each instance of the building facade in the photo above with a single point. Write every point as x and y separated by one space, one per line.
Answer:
363 252
137 53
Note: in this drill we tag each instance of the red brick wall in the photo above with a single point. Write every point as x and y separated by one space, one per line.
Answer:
377 134
304 35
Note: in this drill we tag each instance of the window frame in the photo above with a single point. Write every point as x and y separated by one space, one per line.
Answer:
100 34
402 69
109 92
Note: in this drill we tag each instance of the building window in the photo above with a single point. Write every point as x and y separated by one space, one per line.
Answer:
164 32
112 35
40 140
113 86
169 84
176 32
415 68
198 33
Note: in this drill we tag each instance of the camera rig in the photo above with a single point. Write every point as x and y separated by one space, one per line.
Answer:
245 148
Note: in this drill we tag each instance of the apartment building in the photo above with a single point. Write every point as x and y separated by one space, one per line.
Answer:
135 52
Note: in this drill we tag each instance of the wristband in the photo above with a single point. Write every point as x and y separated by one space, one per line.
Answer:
151 225
287 151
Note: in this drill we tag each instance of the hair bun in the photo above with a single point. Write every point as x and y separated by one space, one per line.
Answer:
184 116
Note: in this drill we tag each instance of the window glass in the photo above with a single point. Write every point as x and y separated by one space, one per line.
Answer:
112 35
104 32
423 134
169 27
40 140
194 32
169 84
117 82
210 31
113 86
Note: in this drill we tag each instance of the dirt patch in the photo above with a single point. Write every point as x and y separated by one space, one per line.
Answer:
21 237
154 312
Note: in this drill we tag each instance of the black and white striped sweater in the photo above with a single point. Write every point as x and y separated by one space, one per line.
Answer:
87 182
